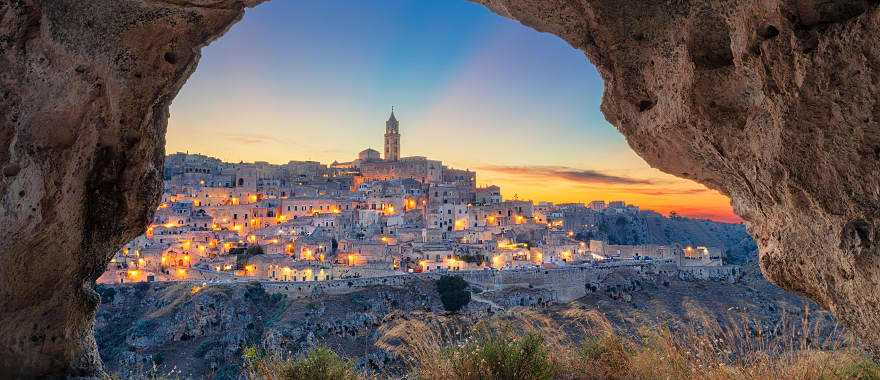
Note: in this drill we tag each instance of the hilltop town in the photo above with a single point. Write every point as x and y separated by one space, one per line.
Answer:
374 217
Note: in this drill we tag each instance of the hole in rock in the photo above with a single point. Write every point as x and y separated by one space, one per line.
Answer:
283 143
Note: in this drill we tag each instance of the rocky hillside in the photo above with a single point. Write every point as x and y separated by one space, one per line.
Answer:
202 332
648 227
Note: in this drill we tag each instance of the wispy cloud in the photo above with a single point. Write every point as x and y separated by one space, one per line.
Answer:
665 191
581 176
250 138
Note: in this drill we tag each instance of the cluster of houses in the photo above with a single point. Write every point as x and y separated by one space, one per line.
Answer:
305 221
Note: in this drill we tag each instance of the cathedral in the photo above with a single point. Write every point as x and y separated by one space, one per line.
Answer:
392 138
370 166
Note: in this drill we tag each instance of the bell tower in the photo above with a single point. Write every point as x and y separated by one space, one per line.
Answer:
392 138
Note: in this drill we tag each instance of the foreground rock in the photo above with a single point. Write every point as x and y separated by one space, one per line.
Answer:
771 102
84 93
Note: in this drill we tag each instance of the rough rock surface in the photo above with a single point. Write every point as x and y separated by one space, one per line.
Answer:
84 93
772 102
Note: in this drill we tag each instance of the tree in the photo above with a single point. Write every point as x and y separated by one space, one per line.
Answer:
255 249
453 293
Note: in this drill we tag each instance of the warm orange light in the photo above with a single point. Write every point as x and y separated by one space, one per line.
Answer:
235 201
168 225
289 248
307 254
497 261
237 228
252 238
186 244
459 224
249 268
142 262
565 255
520 219
133 273
181 272
252 198
389 210
537 257
149 232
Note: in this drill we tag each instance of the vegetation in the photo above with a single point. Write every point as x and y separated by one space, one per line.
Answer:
473 259
254 250
319 363
524 344
453 293
107 293
500 357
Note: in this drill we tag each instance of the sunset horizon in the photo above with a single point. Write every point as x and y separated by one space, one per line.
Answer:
486 103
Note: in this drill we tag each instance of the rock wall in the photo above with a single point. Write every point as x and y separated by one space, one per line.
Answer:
84 93
772 102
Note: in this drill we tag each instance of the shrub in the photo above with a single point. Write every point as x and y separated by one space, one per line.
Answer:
453 293
107 293
319 363
255 250
502 357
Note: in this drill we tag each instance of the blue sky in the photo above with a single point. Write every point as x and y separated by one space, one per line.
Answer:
315 80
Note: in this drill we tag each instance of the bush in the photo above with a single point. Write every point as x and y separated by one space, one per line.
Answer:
107 293
453 293
319 363
503 357
255 250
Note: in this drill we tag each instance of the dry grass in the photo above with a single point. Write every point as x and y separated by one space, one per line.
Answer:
583 344
586 346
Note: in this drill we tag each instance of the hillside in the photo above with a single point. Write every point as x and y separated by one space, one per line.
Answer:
647 227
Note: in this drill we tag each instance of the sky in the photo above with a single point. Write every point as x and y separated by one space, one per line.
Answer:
315 80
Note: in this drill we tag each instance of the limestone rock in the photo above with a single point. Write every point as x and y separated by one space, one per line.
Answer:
84 93
774 103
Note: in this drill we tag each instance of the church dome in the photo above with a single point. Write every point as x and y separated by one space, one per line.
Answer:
368 155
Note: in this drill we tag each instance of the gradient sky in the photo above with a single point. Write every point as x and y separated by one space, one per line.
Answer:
315 80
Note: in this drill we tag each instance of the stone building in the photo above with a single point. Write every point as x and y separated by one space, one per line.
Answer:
392 138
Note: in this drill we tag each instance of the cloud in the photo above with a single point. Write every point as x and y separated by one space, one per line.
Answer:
662 192
582 176
249 138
